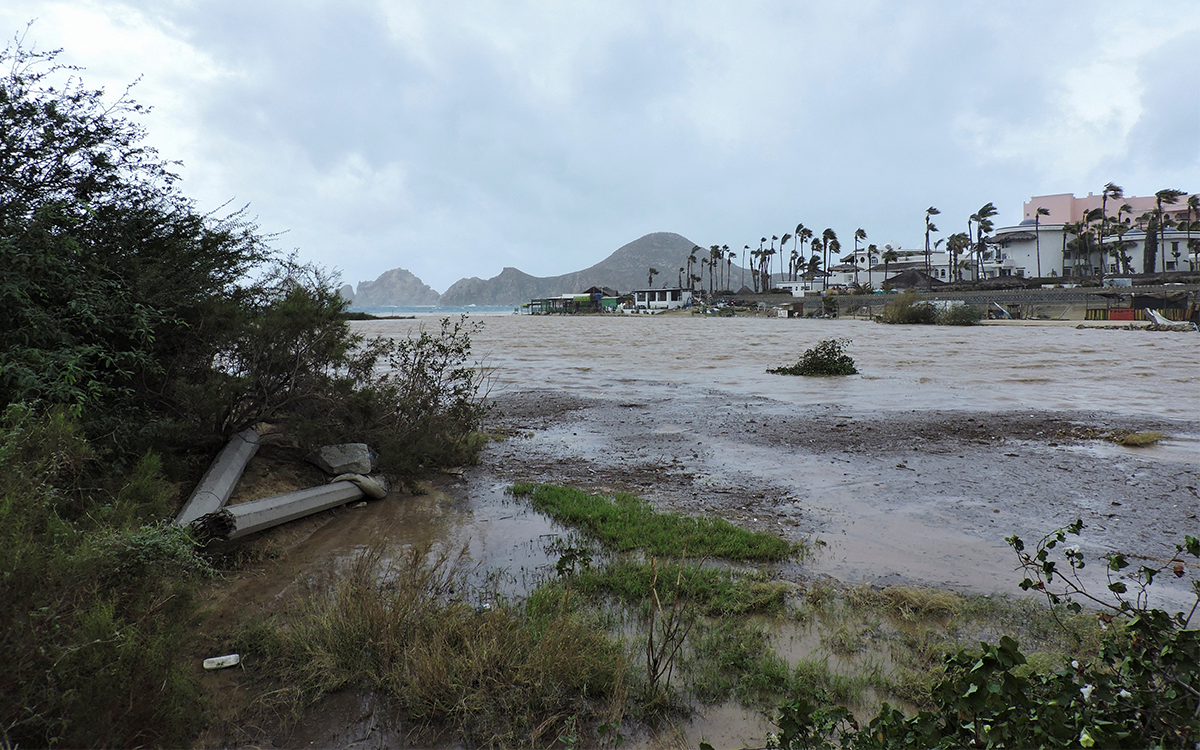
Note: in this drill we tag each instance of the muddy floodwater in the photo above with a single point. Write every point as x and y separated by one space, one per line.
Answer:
912 471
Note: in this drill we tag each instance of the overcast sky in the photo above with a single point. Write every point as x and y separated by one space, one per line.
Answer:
455 138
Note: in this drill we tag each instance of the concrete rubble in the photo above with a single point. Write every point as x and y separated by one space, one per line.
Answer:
345 458
206 511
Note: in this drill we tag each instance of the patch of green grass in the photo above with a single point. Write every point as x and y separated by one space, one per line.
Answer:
715 591
501 676
732 657
623 523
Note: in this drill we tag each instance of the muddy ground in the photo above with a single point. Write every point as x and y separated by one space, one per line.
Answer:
885 497
922 497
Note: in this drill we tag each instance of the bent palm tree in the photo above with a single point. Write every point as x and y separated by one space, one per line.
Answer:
859 234
889 256
1037 235
1110 191
929 229
1169 196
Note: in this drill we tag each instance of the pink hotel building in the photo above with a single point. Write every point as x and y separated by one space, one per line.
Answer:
1019 251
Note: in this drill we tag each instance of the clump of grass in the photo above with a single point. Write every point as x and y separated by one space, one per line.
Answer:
907 308
826 358
960 315
500 675
905 602
715 591
735 657
1137 439
624 522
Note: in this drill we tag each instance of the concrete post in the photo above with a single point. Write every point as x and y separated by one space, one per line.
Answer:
222 477
258 515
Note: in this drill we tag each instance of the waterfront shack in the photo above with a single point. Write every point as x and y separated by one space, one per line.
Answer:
661 299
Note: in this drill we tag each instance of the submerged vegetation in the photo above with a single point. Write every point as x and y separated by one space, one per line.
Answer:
624 522
826 358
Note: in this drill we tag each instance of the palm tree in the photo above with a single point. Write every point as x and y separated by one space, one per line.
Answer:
651 275
1110 191
759 257
929 228
1193 211
859 234
742 265
872 253
681 277
769 256
1089 219
1169 197
889 256
803 236
983 225
1037 235
691 263
786 236
955 244
827 237
798 240
1122 258
729 256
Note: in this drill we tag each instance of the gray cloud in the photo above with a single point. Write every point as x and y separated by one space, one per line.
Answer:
457 138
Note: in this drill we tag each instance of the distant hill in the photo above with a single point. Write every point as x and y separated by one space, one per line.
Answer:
624 270
394 287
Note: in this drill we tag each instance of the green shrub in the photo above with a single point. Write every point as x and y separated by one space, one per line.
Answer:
907 308
97 603
826 358
960 315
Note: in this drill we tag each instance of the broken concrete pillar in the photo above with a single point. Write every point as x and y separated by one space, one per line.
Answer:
259 515
222 477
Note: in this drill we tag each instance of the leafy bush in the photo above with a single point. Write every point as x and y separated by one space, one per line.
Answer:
133 327
826 358
97 602
1142 690
960 315
907 308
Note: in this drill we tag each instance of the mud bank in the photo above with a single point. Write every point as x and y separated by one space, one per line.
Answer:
921 497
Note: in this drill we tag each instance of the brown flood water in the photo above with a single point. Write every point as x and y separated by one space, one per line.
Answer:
690 386
683 404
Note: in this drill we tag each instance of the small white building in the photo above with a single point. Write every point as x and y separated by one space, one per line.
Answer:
661 299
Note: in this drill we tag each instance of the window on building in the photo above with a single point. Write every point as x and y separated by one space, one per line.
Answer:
1169 265
1066 271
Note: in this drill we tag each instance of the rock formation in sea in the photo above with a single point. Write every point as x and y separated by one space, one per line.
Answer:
347 292
395 287
625 269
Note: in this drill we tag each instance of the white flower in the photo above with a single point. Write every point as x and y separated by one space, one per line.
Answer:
1124 694
1073 549
1074 664
1087 693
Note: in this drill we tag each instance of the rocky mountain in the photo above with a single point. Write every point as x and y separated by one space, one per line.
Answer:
395 287
624 270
